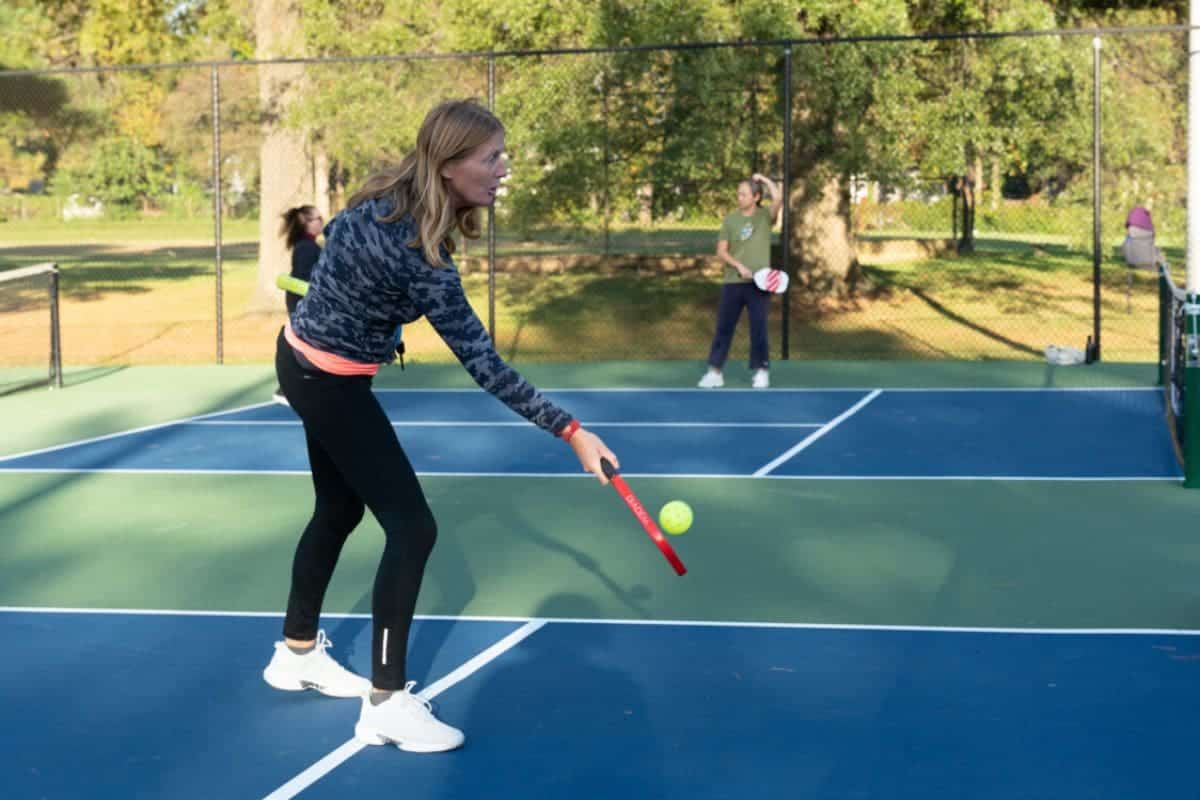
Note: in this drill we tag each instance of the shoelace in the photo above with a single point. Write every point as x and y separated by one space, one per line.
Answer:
408 690
323 642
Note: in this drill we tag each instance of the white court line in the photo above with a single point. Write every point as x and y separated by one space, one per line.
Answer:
576 475
526 424
812 390
611 389
766 469
1029 478
985 389
314 773
798 390
142 429
348 749
692 623
207 419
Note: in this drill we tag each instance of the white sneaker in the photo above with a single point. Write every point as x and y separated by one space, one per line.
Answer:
761 379
316 669
405 720
712 380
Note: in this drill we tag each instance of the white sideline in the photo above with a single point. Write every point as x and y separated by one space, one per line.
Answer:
349 748
812 437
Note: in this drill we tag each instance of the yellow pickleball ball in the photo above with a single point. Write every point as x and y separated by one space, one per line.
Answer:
675 517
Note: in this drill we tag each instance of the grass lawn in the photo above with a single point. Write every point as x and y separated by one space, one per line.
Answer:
145 293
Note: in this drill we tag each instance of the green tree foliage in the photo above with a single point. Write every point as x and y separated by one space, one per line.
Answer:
44 32
365 114
1021 108
123 32
853 102
30 105
1144 106
638 135
123 174
630 136
506 25
129 32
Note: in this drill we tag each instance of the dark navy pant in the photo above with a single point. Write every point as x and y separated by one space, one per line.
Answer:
733 297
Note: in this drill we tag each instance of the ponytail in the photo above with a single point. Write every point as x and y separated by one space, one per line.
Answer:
294 222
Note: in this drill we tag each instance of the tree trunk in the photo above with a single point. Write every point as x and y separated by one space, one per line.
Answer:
822 239
997 183
645 196
287 165
966 192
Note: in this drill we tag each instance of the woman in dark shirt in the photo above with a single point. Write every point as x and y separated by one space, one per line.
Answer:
300 228
387 261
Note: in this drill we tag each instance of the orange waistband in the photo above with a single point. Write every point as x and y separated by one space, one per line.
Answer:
327 362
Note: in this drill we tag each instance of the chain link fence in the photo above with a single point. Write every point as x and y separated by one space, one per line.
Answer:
944 195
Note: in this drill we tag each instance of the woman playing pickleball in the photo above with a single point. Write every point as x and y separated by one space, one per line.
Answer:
744 247
388 261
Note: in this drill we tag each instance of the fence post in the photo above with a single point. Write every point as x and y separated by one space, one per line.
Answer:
786 228
216 178
491 213
56 371
1094 349
607 199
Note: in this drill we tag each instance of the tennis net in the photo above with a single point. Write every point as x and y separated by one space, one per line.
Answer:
1177 350
30 339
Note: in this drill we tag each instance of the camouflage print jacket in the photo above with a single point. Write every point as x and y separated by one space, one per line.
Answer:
369 281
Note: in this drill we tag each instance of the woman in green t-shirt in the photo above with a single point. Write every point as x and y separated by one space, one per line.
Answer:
744 247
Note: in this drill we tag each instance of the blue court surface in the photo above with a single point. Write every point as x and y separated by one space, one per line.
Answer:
171 705
853 433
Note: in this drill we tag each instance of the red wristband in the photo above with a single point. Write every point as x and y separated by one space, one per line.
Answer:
569 431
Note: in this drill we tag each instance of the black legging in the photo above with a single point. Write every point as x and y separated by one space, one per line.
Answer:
356 462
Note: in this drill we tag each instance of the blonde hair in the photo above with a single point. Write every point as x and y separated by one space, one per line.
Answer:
416 186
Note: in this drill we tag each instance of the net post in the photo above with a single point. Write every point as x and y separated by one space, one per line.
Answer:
56 373
1164 319
1191 392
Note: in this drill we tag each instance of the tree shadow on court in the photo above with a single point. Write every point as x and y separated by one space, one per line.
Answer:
18 380
633 599
557 715
450 587
472 521
20 514
523 518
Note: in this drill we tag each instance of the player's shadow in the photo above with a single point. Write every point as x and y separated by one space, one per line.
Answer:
559 715
633 598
